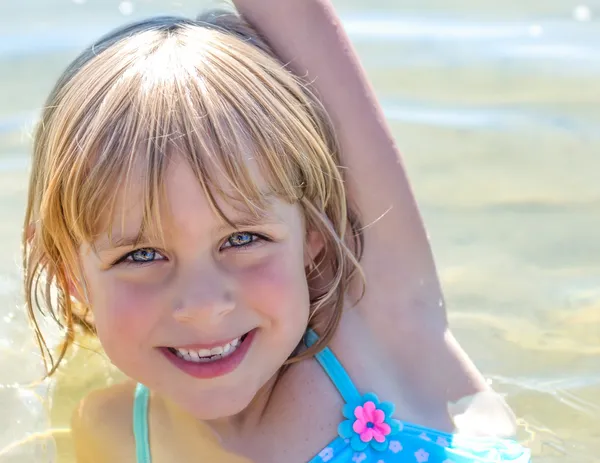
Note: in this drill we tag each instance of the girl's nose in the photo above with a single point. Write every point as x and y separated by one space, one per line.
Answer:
207 298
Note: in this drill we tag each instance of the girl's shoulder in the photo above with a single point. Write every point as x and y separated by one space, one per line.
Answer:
102 428
101 425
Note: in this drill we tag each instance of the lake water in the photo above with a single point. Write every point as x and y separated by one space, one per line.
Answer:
496 107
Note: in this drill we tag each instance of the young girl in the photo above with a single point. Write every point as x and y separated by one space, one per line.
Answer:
188 205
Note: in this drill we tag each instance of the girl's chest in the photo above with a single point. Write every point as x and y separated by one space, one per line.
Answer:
305 411
301 418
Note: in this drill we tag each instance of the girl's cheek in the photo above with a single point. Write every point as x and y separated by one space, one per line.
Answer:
277 279
123 309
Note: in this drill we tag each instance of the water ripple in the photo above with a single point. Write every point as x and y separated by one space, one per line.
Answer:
559 39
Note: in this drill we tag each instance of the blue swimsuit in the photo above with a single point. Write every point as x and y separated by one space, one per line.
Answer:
368 433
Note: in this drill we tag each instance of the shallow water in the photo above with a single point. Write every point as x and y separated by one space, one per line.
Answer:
495 107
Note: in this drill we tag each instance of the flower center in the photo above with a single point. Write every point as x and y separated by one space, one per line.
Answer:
370 424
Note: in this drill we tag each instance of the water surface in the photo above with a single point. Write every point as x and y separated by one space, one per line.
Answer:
495 107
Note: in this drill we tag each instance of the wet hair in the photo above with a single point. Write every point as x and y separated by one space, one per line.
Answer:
209 90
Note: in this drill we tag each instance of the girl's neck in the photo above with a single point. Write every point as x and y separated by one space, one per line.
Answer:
232 430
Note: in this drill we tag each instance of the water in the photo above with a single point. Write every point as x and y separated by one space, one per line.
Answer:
495 107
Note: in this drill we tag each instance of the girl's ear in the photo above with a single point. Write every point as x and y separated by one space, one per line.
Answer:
74 291
314 245
79 296
77 286
30 232
71 281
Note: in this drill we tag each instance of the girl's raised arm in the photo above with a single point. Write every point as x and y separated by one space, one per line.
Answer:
308 36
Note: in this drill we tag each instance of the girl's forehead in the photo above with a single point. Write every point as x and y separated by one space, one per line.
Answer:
185 184
186 200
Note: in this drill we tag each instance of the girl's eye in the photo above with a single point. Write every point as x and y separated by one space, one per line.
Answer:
240 239
142 256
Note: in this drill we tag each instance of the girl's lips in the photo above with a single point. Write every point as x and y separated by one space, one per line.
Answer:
215 368
208 346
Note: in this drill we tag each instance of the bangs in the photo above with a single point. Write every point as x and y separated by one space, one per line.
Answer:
194 93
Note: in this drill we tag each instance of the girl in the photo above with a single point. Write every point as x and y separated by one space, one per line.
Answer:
188 206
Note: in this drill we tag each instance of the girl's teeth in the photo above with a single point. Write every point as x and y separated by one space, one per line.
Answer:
208 355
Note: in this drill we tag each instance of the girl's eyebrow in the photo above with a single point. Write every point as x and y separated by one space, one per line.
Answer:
240 220
243 220
118 241
243 216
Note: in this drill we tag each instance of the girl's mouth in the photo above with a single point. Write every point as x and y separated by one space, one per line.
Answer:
206 363
208 355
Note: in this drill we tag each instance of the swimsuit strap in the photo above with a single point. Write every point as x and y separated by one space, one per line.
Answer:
334 370
140 424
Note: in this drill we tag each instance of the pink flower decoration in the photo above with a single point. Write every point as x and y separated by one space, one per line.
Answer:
370 423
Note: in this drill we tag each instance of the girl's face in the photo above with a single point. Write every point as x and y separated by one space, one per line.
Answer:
239 293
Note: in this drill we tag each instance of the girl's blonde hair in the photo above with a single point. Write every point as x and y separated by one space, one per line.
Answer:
209 90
